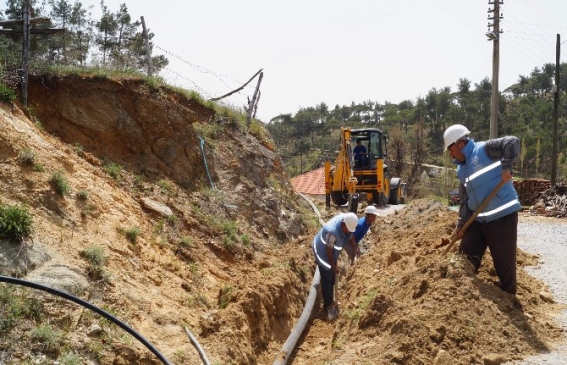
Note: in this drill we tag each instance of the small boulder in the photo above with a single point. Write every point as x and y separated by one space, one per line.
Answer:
156 207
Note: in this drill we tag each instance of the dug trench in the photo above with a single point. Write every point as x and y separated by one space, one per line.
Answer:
235 262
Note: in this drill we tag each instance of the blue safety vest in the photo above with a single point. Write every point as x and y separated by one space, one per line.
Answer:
480 174
333 227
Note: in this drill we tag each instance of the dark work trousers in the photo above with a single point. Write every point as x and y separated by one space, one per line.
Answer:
500 236
327 285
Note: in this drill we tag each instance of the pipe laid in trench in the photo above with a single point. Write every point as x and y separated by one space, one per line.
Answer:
291 342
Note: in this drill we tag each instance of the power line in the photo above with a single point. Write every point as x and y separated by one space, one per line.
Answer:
541 25
344 34
532 41
201 90
522 52
309 38
196 67
202 69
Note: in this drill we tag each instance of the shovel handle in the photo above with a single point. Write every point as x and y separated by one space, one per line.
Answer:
475 214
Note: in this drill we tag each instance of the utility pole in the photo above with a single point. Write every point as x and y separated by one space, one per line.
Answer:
555 112
25 51
494 36
27 24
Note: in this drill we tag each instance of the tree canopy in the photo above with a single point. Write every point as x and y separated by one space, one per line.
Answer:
416 126
114 40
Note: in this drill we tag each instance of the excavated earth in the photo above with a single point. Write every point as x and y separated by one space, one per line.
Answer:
404 302
232 263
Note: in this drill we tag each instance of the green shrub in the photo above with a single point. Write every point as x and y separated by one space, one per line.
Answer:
15 223
7 95
95 255
82 195
26 157
59 183
70 358
186 241
246 240
225 296
78 148
47 335
113 170
132 234
165 186
16 305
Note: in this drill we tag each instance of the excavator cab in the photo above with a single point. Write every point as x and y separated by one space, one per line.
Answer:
359 167
372 142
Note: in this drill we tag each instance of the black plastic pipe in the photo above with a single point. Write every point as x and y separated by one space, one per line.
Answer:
291 342
110 317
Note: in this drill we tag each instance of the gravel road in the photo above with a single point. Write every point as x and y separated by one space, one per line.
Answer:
547 237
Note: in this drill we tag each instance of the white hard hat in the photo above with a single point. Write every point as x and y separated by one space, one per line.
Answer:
371 209
351 221
453 133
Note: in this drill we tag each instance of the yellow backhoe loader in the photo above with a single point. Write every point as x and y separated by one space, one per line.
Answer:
362 169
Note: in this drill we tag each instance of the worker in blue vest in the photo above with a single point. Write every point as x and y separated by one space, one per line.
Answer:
327 246
353 247
480 167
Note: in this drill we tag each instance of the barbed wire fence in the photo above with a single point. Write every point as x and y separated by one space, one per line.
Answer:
231 92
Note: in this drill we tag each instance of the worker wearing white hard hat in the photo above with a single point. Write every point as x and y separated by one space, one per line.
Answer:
363 225
482 167
327 246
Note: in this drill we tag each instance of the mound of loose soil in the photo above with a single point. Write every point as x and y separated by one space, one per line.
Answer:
405 302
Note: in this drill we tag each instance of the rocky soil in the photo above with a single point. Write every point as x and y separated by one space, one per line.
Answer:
403 302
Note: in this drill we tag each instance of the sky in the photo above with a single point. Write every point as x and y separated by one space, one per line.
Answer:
337 52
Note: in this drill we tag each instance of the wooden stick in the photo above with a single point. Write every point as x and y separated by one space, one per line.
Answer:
473 217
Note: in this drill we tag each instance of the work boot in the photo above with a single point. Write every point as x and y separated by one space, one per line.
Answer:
332 311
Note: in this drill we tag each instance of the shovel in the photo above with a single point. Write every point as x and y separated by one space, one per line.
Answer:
473 217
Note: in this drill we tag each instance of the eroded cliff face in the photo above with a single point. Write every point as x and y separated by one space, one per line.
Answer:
229 262
153 132
125 122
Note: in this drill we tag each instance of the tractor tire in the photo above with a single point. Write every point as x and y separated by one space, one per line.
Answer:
395 194
339 197
353 203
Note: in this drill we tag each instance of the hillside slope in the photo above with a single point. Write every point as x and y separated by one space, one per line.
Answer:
187 240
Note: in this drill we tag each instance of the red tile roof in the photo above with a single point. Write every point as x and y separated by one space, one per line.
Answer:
312 182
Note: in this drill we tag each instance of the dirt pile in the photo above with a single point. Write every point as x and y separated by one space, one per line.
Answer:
403 302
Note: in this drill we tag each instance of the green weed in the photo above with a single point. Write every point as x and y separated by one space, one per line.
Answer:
59 183
15 223
7 95
26 157
82 195
113 170
95 255
131 234
165 186
15 305
47 335
225 296
69 358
